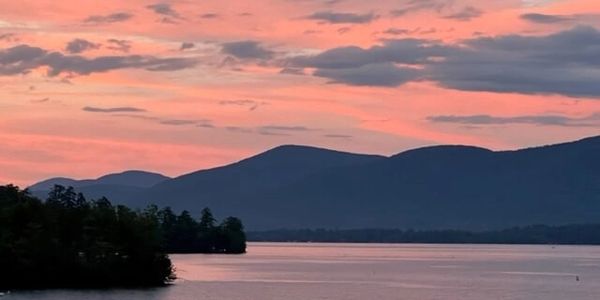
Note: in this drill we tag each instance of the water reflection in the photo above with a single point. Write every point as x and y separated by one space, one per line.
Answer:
351 271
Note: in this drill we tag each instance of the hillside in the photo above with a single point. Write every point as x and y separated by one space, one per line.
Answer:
440 187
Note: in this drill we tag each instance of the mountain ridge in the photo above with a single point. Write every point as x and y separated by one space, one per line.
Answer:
447 186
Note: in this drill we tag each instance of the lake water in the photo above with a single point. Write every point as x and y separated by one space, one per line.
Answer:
357 271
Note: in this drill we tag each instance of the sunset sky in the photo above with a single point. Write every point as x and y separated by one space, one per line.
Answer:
93 87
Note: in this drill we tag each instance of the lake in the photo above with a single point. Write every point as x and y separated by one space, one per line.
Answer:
373 271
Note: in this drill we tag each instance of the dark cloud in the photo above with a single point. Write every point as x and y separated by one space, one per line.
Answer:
311 31
344 30
420 5
186 45
282 130
545 19
205 125
438 6
379 74
238 129
403 31
549 120
250 104
247 50
342 18
398 31
119 45
24 58
125 109
375 66
164 9
466 14
292 71
177 122
564 63
337 136
80 45
42 100
406 51
209 16
557 19
110 18
9 37
285 128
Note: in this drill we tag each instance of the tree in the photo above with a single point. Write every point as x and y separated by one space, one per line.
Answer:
207 220
70 242
232 230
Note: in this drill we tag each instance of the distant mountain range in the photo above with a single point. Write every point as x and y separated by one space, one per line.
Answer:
440 187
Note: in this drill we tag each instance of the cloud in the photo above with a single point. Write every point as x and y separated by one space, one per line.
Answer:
209 16
413 6
282 130
177 122
540 18
203 123
545 19
466 14
238 129
285 128
543 120
9 37
292 71
42 100
342 18
247 50
398 31
403 31
344 30
24 58
119 45
271 130
110 18
375 66
405 51
169 15
251 104
125 109
337 136
381 74
80 45
564 63
438 6
186 45
164 9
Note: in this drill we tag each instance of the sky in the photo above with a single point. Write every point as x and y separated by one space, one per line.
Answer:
176 86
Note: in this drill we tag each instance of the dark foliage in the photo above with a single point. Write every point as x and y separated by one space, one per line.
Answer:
587 234
68 241
184 235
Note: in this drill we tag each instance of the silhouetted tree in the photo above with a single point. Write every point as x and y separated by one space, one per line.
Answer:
68 241
234 238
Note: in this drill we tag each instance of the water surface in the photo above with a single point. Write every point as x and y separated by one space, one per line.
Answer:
374 271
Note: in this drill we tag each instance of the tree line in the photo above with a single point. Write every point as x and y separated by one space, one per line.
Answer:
582 234
70 241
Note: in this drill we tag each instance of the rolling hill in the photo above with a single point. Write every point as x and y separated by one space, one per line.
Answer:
440 187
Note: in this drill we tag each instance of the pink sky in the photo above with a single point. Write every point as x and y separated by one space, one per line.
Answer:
177 86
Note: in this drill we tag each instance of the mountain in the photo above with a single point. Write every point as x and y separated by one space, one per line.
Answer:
234 185
118 185
440 187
